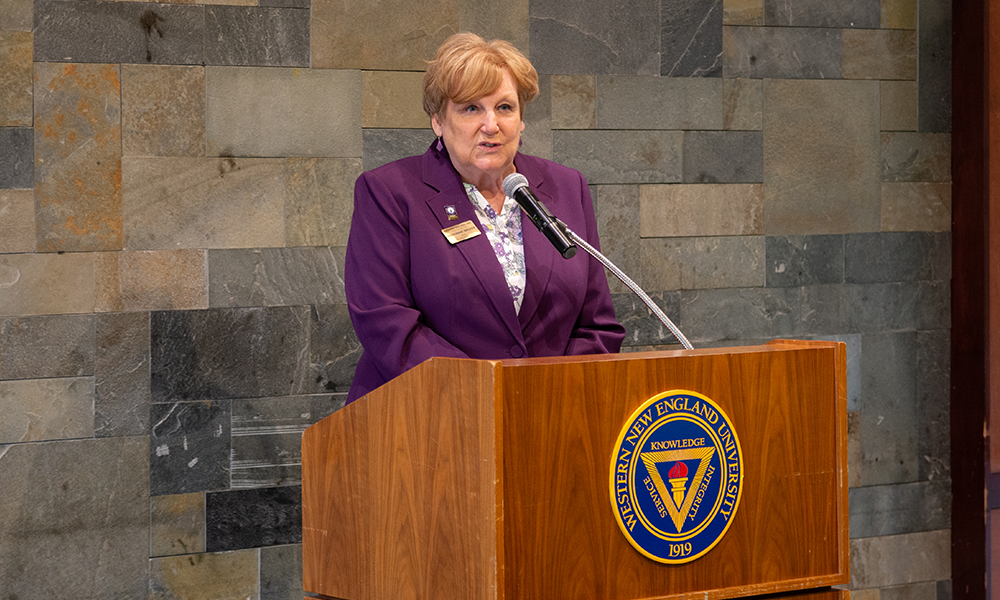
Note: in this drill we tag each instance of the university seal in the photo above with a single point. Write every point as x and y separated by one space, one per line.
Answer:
676 477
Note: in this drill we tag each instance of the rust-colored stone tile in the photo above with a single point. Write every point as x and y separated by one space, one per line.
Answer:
15 78
152 280
393 99
879 54
574 102
78 157
17 221
163 110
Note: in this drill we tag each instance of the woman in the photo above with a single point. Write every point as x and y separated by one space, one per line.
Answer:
487 293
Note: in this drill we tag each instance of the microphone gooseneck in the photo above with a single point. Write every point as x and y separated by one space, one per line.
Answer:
515 186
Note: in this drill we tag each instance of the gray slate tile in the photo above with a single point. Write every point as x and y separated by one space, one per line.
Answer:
121 368
274 277
723 157
17 158
691 37
903 256
256 36
229 353
621 156
781 53
119 32
568 37
334 349
797 260
903 508
189 447
37 347
934 66
276 515
382 146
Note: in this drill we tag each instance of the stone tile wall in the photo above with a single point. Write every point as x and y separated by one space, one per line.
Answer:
176 191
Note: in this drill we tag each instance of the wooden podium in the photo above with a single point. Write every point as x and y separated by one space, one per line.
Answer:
471 479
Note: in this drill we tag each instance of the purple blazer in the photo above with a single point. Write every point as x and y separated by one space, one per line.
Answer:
413 295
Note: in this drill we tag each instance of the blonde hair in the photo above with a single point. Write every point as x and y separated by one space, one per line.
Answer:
467 67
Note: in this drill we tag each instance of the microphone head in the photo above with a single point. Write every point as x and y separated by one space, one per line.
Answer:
512 182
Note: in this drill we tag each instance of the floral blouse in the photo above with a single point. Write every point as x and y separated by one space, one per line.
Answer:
504 233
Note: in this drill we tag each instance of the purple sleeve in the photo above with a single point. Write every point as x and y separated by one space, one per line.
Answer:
378 287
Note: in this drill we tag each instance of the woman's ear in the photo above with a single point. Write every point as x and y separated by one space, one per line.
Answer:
436 125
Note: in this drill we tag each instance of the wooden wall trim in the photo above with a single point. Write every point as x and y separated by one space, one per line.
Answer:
968 300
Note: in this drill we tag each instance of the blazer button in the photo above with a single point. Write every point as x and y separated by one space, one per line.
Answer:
516 351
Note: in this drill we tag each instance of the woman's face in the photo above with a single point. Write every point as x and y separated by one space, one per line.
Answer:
482 136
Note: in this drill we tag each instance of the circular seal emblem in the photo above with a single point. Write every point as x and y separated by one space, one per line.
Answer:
676 476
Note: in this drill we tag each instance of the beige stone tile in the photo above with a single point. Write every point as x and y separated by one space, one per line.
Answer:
46 284
899 14
742 104
574 102
393 99
898 100
304 112
743 12
152 280
900 559
408 33
701 209
217 576
910 206
912 156
16 15
821 157
79 512
878 54
174 203
78 157
866 594
35 410
319 200
212 2
163 110
17 221
15 78
702 263
177 524
629 102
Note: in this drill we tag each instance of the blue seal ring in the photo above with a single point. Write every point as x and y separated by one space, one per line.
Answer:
676 477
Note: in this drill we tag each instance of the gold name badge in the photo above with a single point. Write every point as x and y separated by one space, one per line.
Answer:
460 232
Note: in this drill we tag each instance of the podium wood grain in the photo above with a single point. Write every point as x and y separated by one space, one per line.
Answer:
468 479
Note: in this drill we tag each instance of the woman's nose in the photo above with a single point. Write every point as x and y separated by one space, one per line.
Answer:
490 122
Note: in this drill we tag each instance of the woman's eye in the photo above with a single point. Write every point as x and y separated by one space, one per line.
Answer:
470 108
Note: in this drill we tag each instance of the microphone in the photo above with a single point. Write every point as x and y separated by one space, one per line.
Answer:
515 185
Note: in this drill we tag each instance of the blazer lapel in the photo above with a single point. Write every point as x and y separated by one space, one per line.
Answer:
539 255
478 253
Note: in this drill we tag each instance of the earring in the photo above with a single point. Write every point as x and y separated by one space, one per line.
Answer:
439 146
520 142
